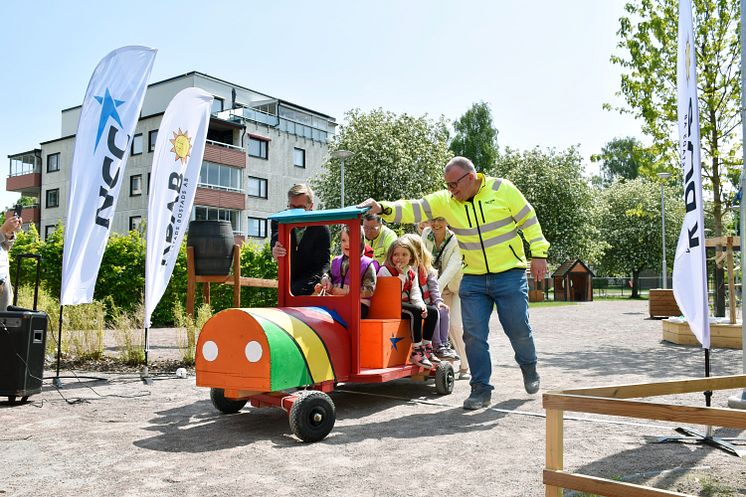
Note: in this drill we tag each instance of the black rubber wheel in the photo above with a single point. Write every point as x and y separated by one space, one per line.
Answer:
444 378
11 399
312 416
226 406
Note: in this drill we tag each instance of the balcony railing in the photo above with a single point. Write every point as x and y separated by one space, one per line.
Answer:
225 145
281 123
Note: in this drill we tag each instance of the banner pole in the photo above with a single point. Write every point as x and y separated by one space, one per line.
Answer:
739 401
56 380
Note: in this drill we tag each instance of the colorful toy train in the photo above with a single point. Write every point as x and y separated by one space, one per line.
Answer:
292 356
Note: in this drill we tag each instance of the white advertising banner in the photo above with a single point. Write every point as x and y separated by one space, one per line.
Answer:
109 114
177 161
689 268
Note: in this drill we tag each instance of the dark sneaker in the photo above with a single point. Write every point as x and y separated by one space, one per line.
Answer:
446 354
480 397
531 378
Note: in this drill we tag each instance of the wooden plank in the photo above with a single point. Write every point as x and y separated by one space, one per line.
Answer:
191 283
722 241
554 447
633 390
730 418
602 486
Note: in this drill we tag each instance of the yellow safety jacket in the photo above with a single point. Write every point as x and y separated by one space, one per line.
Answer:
485 226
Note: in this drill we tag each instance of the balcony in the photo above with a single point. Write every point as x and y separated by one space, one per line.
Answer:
290 126
224 153
220 198
25 173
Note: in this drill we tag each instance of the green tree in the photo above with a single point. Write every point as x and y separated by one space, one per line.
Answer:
630 225
476 137
553 183
623 158
648 41
395 156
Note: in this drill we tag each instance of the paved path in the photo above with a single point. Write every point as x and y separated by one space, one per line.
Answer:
125 438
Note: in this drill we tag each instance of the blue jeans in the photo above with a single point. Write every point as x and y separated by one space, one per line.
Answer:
509 292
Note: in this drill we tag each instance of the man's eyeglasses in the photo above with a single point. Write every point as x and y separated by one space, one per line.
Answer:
453 184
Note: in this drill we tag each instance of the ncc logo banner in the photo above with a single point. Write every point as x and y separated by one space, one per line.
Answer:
108 117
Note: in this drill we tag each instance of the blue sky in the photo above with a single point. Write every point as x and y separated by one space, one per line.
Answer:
542 66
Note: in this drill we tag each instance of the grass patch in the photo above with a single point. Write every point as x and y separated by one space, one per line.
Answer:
550 303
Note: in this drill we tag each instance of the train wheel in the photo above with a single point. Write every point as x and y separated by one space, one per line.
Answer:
444 378
226 406
312 416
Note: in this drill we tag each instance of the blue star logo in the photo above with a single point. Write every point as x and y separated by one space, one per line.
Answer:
394 341
108 109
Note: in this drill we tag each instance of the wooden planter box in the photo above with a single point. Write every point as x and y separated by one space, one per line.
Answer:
722 335
662 304
536 295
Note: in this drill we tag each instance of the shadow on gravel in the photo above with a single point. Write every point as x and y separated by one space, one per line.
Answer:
666 463
664 360
199 427
423 425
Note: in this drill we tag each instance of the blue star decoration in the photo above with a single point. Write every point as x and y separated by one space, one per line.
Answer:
394 341
108 109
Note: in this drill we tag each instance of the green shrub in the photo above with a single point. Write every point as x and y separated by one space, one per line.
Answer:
189 329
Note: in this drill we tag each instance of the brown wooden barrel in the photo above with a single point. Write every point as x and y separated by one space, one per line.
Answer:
213 247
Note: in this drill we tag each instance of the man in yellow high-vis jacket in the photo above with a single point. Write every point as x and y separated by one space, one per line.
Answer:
485 214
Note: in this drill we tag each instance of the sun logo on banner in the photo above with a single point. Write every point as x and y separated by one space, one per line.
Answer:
688 58
182 145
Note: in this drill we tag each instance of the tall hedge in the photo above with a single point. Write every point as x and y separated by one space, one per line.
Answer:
122 273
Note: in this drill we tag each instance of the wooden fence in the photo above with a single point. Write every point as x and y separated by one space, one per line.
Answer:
612 401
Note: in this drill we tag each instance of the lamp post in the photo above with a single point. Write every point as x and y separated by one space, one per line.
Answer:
342 155
664 177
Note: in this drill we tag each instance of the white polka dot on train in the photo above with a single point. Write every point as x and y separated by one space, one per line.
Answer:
210 350
253 351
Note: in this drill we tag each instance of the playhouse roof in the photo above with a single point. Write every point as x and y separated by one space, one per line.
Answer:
568 265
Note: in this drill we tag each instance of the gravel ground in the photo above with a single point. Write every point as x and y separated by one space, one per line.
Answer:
122 437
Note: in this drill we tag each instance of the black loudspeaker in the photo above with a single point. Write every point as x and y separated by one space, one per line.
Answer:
23 336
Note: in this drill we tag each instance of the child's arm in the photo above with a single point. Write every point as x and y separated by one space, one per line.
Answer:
452 259
434 288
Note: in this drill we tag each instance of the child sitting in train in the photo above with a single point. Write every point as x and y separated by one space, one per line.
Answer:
427 277
400 259
338 282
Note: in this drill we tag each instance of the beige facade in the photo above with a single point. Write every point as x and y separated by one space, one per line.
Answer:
258 146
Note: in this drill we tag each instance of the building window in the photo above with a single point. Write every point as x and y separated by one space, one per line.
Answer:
220 177
137 144
257 187
53 162
53 198
48 230
218 214
135 223
258 148
299 157
135 185
257 227
152 137
217 105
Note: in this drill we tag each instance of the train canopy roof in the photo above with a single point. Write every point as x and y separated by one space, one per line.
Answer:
303 216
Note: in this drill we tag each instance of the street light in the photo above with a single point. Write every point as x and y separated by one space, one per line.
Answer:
342 155
664 177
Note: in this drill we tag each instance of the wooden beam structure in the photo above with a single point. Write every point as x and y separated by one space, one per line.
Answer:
612 401
234 279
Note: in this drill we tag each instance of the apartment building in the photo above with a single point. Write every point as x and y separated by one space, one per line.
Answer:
257 147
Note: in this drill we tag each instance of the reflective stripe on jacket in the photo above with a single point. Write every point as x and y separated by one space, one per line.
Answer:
485 226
